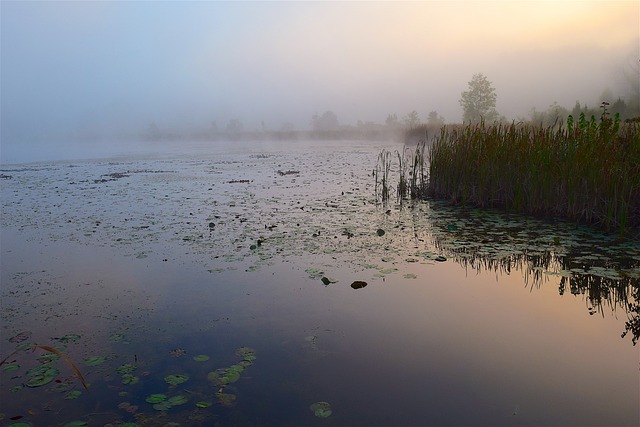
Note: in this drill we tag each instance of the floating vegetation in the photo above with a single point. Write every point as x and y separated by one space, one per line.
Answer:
69 338
73 395
177 352
314 273
321 409
121 338
20 337
94 360
587 172
162 403
174 380
201 358
41 375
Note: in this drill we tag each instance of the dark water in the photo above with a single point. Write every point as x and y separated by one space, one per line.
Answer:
148 262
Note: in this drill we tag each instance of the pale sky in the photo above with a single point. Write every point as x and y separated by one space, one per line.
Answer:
111 66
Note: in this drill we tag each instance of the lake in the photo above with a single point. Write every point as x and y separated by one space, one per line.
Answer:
265 284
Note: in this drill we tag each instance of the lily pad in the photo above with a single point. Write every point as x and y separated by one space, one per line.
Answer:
162 406
42 377
247 353
22 336
11 367
47 357
76 424
201 358
69 338
156 398
314 273
127 368
178 400
73 395
176 379
358 284
321 409
94 360
118 338
226 399
129 379
203 404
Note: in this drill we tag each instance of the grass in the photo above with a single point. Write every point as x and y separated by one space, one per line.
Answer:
588 171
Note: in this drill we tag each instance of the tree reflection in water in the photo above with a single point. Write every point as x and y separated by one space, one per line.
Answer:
601 267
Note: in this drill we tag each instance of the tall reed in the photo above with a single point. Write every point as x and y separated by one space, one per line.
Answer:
381 174
588 171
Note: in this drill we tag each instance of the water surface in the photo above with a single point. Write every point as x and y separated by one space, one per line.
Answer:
468 317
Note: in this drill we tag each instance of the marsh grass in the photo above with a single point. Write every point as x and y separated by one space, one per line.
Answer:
588 171
381 174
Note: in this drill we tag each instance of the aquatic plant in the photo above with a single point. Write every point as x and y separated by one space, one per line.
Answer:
588 171
45 374
381 174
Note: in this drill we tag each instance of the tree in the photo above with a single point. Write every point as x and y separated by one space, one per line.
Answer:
392 120
479 102
328 121
434 119
412 119
234 126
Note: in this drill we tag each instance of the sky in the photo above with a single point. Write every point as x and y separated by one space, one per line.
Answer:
89 67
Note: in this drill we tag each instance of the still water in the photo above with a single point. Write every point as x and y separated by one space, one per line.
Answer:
217 288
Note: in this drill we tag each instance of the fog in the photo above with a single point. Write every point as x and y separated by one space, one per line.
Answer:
103 71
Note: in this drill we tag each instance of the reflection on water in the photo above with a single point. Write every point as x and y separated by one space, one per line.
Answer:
167 267
601 267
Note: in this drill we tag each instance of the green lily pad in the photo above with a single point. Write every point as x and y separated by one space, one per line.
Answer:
21 424
247 353
16 388
118 338
25 346
201 358
176 379
203 404
226 399
76 424
129 379
73 395
321 409
47 357
69 338
94 360
156 398
127 368
314 273
11 367
178 400
236 368
43 378
162 406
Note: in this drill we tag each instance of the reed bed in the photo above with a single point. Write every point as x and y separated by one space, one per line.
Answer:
587 171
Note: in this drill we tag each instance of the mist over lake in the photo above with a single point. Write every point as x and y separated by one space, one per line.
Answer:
218 214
